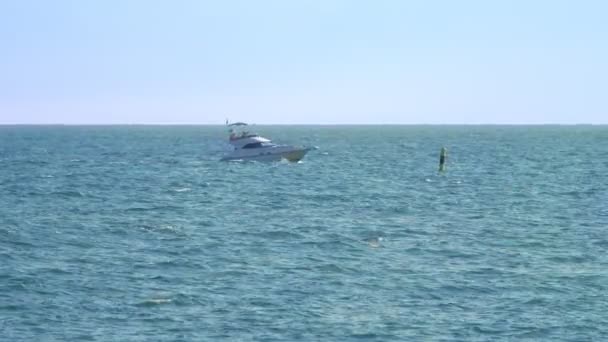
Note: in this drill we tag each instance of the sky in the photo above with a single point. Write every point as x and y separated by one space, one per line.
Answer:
303 62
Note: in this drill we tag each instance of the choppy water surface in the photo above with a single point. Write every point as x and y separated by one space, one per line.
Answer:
140 234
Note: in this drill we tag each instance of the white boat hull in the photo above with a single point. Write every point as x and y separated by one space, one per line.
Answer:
274 153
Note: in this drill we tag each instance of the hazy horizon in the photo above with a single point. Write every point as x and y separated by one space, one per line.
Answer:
303 124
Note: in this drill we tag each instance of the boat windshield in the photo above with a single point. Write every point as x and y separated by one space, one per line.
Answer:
258 145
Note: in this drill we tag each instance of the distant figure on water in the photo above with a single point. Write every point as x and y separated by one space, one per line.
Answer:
443 155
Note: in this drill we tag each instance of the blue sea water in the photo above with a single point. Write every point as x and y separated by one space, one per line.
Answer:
139 233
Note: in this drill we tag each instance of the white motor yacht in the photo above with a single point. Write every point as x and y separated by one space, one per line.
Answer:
251 146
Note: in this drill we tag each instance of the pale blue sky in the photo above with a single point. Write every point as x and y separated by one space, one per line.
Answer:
326 61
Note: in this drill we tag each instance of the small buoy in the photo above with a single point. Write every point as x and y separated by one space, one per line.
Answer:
374 242
443 155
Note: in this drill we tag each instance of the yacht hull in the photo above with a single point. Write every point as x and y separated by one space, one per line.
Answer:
269 155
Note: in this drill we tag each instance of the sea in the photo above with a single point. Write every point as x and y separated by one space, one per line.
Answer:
140 233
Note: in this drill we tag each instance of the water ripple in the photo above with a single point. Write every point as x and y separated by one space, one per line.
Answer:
139 233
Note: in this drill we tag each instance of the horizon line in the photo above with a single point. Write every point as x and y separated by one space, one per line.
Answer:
305 124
